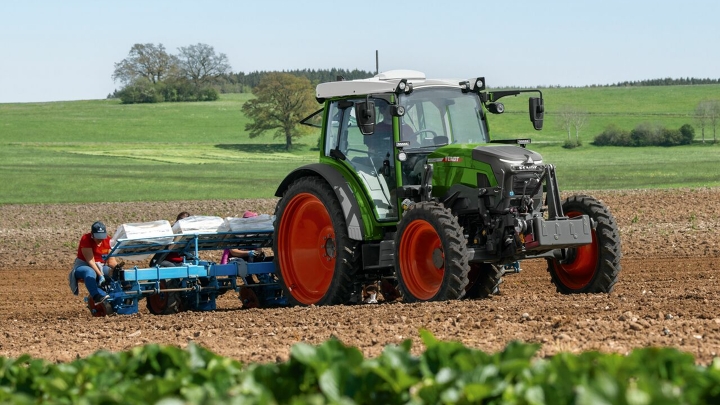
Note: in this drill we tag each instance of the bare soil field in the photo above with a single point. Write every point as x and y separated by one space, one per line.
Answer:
668 293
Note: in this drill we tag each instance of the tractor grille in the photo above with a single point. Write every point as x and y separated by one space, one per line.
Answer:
526 183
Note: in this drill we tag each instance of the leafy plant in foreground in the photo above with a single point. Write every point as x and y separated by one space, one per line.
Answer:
332 373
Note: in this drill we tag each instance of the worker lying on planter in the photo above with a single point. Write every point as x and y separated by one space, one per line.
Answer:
171 259
247 255
89 266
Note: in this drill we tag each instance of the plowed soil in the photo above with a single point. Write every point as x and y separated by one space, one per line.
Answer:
667 293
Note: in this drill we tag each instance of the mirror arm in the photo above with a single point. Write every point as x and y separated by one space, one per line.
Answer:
497 95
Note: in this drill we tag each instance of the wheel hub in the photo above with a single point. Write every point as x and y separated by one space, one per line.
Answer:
437 258
569 256
330 248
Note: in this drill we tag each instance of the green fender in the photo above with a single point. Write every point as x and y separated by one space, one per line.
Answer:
357 214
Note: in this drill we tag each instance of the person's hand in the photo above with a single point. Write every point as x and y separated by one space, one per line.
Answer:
100 280
251 254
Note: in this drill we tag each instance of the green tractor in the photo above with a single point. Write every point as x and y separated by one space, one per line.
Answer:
411 191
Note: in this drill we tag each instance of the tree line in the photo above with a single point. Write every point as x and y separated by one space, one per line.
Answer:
149 74
668 81
241 82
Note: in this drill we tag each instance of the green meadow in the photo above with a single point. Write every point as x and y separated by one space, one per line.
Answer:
101 150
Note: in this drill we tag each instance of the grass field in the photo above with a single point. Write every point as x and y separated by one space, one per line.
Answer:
670 106
101 150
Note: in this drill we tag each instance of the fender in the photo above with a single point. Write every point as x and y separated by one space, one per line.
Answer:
348 202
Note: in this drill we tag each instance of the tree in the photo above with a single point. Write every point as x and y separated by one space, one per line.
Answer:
566 120
579 121
147 61
282 100
714 116
572 118
688 133
200 64
702 116
141 91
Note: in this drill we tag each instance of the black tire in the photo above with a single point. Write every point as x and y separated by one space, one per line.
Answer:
315 259
592 268
484 280
100 310
431 257
248 298
165 303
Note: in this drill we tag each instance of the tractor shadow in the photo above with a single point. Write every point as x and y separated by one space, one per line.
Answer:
257 147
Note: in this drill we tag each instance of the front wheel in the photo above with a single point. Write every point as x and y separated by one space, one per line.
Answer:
485 279
591 268
431 251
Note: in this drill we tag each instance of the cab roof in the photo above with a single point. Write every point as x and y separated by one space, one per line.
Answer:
384 82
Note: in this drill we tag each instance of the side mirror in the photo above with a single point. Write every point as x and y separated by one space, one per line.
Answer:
537 112
365 115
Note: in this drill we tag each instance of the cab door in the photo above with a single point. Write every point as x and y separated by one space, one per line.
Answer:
370 157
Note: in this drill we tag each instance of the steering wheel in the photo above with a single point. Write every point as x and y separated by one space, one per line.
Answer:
426 131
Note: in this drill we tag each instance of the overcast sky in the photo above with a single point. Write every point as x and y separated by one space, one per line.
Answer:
66 50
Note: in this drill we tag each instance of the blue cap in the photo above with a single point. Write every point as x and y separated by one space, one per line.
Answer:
98 230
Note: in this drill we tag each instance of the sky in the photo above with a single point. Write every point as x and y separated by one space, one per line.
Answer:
59 50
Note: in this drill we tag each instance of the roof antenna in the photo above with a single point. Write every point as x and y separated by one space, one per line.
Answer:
377 63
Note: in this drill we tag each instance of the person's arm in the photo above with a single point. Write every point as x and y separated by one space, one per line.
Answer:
90 260
239 253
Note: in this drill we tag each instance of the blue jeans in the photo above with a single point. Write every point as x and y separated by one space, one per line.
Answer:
84 272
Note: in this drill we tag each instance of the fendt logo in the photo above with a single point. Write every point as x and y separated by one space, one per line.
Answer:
446 159
527 167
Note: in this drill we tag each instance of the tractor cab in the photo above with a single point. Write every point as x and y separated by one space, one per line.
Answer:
385 129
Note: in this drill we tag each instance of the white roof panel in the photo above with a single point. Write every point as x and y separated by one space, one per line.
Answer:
385 82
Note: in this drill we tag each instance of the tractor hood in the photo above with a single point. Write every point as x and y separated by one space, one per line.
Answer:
514 155
470 164
505 159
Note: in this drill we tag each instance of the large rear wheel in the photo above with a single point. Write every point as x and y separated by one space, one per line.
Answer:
431 254
315 259
591 268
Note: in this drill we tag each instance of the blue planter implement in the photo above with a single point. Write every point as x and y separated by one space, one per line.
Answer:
194 284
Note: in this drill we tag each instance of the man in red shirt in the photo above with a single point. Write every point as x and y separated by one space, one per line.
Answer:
89 264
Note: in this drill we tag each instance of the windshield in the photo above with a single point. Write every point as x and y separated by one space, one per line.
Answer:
440 116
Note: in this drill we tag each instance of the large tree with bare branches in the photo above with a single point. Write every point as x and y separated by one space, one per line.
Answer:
148 61
714 117
702 116
200 64
572 118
